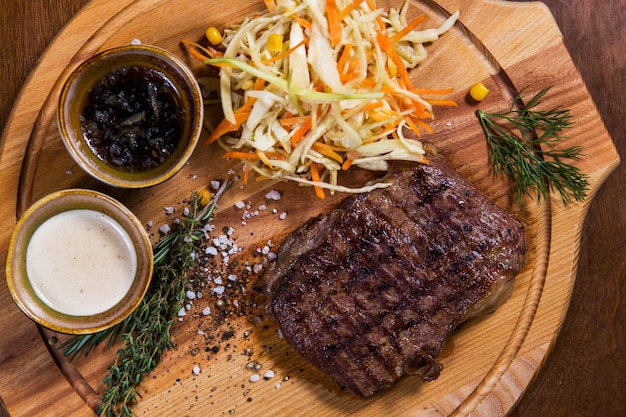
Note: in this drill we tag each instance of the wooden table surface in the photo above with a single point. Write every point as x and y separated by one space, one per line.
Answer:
585 375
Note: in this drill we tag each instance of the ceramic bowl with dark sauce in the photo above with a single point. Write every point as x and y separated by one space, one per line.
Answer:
131 116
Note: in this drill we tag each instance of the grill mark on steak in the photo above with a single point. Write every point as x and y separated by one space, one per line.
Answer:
369 291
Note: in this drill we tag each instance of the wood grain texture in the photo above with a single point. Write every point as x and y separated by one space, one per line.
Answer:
29 395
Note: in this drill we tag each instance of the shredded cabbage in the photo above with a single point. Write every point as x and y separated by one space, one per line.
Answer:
337 96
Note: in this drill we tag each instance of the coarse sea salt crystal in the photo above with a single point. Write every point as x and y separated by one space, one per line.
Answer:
182 312
268 374
255 377
283 215
190 294
169 210
273 195
219 290
206 311
196 370
215 185
240 204
165 229
232 277
210 250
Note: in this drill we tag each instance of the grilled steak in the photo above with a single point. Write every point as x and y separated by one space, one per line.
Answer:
369 291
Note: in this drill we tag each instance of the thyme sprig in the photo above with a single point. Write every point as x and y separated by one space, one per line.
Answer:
146 333
522 146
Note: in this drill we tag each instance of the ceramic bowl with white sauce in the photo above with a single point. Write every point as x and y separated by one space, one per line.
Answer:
78 262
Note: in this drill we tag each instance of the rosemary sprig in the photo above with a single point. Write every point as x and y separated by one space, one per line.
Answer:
146 333
523 149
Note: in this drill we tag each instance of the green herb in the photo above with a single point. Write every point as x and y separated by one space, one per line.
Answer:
146 333
523 149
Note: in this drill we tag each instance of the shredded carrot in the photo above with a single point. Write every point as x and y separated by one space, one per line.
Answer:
263 157
240 155
368 83
350 157
448 103
408 28
201 52
413 127
327 151
191 47
331 147
354 68
302 131
421 124
319 86
420 110
373 105
345 12
334 23
270 4
225 127
246 173
303 22
345 55
387 47
422 91
283 54
290 121
315 176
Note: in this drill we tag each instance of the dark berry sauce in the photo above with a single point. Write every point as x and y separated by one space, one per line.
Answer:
132 119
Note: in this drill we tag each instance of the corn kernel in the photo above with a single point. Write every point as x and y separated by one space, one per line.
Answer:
214 36
479 91
275 43
392 68
205 196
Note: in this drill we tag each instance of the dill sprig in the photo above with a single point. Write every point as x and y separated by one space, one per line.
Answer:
521 144
146 333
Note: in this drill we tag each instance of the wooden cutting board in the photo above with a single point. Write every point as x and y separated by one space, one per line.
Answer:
487 363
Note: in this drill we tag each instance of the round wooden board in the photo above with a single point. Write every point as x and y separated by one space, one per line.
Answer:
488 363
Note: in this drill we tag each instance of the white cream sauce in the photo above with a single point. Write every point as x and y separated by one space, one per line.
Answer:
81 262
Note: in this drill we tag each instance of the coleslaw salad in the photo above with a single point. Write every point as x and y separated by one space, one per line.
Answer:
314 87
